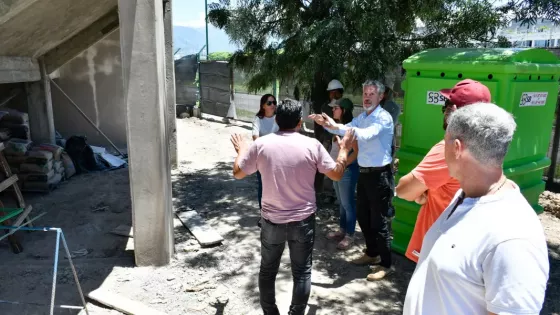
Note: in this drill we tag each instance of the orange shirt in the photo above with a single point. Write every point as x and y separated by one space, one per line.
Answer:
433 172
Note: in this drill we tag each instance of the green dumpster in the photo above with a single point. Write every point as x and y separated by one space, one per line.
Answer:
522 81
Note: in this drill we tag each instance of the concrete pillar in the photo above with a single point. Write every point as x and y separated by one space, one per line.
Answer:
170 82
40 111
143 63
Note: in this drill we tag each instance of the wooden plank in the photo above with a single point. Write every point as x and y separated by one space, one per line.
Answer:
123 230
122 304
8 182
203 232
23 216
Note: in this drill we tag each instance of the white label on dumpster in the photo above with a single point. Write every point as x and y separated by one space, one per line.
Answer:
533 99
435 98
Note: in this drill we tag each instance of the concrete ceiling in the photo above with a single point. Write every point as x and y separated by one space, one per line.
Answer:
31 28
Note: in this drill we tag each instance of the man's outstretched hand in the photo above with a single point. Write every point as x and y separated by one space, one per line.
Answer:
324 120
239 143
348 140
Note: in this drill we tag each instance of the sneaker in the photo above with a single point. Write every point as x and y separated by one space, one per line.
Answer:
366 260
336 236
346 242
379 272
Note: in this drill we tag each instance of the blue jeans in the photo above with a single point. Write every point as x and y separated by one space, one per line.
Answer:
300 237
345 190
259 192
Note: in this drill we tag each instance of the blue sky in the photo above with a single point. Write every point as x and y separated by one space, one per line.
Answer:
190 13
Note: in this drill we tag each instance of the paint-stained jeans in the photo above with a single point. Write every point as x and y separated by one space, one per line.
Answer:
300 237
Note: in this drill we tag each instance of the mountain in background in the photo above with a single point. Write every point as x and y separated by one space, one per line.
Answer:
190 40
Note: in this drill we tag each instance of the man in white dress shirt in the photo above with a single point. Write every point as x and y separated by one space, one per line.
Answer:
486 254
374 133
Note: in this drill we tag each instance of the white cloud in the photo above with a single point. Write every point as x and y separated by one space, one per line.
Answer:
200 22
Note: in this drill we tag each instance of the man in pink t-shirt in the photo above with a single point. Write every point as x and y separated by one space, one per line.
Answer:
288 162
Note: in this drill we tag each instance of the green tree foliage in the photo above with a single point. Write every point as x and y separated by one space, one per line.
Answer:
220 56
503 42
310 42
530 11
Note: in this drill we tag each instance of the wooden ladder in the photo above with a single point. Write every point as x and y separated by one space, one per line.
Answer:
22 212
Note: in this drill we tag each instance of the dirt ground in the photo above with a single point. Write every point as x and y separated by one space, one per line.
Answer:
217 280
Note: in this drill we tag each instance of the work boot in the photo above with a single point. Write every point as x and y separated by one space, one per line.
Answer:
366 260
336 236
346 242
379 272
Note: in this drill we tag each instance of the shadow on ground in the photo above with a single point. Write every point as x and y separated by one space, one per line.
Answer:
230 206
28 276
551 305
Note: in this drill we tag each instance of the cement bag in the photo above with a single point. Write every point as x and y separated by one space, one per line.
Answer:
16 117
36 168
37 177
54 149
42 185
69 168
17 146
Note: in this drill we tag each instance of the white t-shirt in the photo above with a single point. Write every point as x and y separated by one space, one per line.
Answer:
489 256
264 126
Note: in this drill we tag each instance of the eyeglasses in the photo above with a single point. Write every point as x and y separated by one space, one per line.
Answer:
447 104
270 103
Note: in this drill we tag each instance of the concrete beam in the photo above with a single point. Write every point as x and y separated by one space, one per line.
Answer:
39 104
143 63
18 69
71 48
11 8
170 82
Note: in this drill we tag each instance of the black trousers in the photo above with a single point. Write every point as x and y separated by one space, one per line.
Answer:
300 237
375 211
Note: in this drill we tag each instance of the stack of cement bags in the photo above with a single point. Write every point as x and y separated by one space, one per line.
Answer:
14 124
16 153
62 162
43 169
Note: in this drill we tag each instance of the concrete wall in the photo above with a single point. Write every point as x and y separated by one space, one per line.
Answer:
94 81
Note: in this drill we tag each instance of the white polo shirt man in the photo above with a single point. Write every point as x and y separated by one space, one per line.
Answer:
489 256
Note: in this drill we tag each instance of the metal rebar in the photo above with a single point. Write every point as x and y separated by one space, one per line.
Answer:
17 228
86 117
55 270
74 271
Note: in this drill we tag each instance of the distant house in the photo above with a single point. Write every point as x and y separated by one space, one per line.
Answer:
541 34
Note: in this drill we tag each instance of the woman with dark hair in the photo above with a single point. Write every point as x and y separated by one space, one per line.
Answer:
345 188
263 124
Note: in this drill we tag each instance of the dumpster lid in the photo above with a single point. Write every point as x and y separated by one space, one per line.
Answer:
485 55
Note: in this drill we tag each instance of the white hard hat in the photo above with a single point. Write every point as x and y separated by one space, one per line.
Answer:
334 85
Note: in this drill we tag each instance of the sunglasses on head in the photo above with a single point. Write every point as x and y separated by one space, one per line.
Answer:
269 103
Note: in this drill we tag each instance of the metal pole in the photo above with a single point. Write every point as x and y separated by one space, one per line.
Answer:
554 153
22 225
206 11
74 272
86 117
58 231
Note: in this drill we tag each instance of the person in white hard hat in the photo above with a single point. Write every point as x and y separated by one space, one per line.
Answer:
336 92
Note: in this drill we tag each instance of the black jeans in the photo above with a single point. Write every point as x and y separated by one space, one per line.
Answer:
300 237
375 211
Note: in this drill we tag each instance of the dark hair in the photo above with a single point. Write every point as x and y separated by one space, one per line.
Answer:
264 99
288 114
347 117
